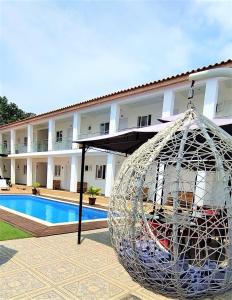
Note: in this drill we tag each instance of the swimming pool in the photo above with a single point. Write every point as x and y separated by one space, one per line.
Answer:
52 211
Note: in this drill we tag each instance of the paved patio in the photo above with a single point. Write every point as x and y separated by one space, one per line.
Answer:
56 268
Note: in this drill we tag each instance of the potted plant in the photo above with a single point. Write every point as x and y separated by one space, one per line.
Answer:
93 192
35 186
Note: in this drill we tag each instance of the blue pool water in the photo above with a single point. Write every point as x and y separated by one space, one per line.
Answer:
49 210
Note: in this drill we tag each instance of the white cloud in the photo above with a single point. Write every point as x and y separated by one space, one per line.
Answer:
217 11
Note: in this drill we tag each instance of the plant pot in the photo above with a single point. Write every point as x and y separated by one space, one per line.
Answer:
92 200
34 191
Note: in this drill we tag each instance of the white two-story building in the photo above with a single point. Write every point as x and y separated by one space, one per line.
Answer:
40 148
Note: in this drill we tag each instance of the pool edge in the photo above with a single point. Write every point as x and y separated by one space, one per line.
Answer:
39 229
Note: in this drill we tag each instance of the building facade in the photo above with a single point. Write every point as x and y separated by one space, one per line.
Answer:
41 148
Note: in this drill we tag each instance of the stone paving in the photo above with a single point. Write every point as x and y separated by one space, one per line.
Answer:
57 268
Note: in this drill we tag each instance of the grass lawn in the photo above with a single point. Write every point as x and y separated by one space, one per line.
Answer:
9 232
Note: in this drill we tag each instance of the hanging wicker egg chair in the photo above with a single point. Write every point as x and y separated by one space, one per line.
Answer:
170 215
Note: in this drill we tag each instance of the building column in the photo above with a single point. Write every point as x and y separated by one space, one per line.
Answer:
76 128
73 175
110 173
114 117
168 104
211 97
12 141
29 138
200 190
12 170
209 110
160 171
111 163
51 134
50 172
29 171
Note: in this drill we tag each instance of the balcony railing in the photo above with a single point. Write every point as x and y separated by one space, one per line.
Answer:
4 149
65 144
40 146
20 148
92 134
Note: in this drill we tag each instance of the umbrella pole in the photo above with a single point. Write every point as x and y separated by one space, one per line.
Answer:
81 191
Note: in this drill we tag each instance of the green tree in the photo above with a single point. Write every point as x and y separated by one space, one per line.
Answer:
10 112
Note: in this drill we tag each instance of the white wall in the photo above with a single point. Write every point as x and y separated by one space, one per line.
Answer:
64 177
224 99
94 122
132 113
181 100
20 178
215 190
90 176
19 136
41 173
66 126
19 141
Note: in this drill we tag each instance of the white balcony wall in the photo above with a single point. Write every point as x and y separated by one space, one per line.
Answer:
181 100
20 135
224 103
41 134
64 125
40 139
90 123
129 113
20 177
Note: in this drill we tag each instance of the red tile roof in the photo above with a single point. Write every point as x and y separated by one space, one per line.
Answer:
182 77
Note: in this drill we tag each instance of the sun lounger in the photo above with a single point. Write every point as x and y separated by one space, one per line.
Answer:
3 185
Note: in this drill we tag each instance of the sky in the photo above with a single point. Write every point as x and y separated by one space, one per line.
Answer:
57 53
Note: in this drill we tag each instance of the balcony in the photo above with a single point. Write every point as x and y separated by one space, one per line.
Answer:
64 144
40 146
4 149
92 134
20 148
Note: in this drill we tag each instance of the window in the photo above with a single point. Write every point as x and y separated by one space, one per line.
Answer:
144 121
101 172
59 136
5 144
57 170
104 128
24 169
25 141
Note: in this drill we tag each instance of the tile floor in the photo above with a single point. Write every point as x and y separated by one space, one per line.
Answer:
56 268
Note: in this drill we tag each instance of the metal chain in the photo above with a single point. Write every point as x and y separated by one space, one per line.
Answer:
191 96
